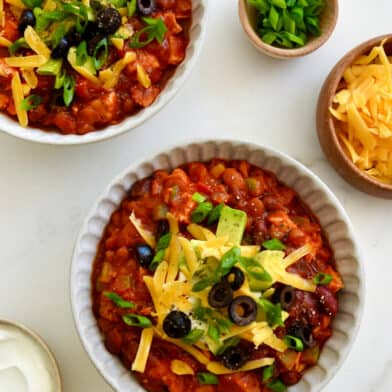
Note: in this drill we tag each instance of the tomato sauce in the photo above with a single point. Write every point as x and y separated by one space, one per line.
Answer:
95 107
273 211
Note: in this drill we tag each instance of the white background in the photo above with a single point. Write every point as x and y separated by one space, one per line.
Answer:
234 92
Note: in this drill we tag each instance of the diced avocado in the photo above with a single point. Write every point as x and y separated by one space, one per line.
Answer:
231 223
52 67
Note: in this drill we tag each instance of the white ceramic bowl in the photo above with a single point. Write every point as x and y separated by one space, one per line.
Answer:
311 189
196 34
46 358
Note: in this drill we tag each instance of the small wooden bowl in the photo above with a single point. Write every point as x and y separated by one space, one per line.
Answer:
328 21
326 124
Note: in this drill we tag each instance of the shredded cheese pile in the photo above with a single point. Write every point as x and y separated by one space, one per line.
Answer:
364 111
171 285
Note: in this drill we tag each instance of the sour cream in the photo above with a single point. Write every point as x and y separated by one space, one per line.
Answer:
25 364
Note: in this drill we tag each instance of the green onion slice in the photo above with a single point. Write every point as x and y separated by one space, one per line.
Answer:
230 342
19 43
322 278
155 30
274 244
294 343
193 336
273 313
134 320
201 212
214 215
268 372
198 197
131 6
81 53
118 300
30 102
277 386
157 259
164 241
101 52
207 378
69 89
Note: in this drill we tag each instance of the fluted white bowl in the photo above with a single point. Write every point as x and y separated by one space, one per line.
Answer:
196 35
312 191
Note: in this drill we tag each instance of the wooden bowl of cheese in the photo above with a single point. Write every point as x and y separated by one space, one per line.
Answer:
354 117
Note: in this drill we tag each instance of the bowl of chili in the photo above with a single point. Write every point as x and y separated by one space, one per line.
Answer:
80 72
203 198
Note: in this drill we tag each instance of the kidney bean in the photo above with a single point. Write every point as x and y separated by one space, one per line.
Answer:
327 300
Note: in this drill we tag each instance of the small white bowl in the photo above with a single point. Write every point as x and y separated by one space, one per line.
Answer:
312 191
48 360
196 35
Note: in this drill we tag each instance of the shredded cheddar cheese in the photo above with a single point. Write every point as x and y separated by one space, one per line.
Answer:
139 364
363 109
18 96
218 368
2 14
36 43
4 41
33 61
145 234
17 3
30 77
110 76
181 368
142 76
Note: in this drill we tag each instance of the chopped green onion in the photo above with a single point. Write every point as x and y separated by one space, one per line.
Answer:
134 320
274 244
132 6
81 53
273 313
294 343
277 386
228 260
69 89
198 197
223 325
193 336
230 342
322 278
30 102
207 378
118 300
164 241
213 332
268 372
59 81
214 215
52 67
259 273
157 259
101 52
155 30
202 284
201 212
32 3
19 43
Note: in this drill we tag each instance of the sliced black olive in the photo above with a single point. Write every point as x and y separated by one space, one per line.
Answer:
146 7
108 20
235 278
61 49
144 254
27 18
302 332
243 310
162 228
234 358
73 38
177 324
220 295
287 297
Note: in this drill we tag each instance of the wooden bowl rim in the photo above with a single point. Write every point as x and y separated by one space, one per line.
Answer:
332 83
282 53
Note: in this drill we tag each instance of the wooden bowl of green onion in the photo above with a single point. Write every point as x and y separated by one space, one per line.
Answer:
286 29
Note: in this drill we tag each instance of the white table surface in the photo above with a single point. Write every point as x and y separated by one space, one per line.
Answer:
234 92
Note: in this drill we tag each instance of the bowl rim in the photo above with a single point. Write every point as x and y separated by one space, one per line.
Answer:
39 341
172 87
331 85
285 53
288 160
